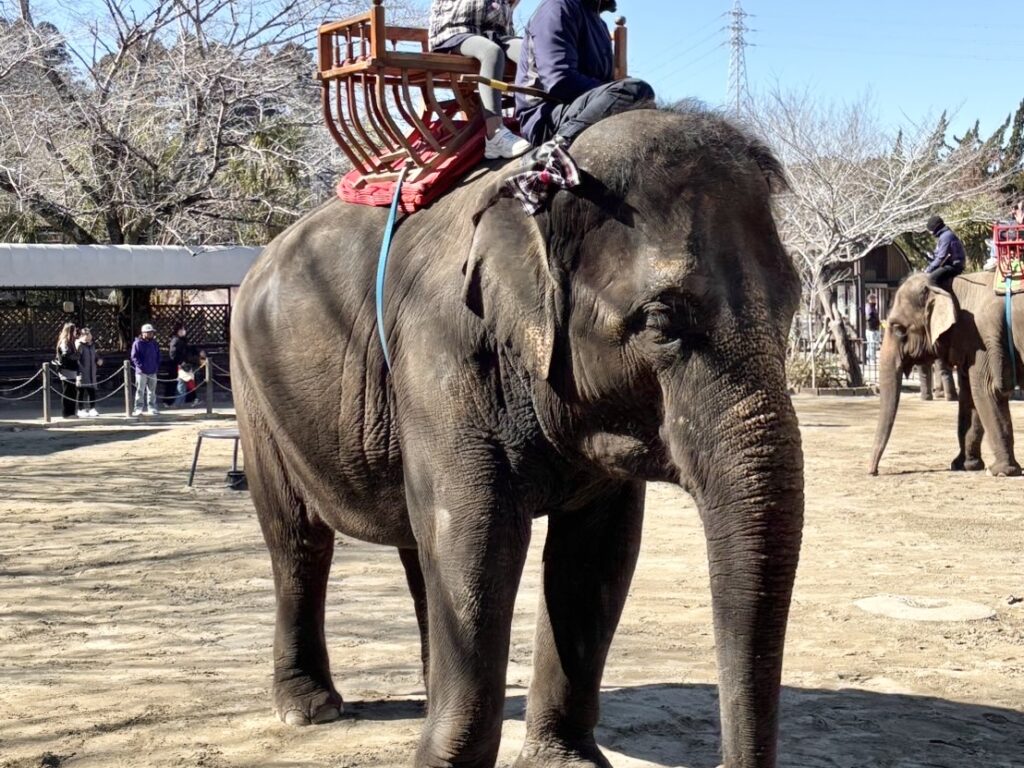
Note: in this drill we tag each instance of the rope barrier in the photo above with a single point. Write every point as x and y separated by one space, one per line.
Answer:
25 383
33 393
218 384
217 368
107 396
118 372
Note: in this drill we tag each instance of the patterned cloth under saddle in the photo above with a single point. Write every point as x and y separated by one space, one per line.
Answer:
1009 243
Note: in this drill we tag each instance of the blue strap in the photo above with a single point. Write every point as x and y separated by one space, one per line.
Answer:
1009 329
382 264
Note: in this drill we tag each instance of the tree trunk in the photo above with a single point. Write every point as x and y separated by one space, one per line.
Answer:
133 310
844 344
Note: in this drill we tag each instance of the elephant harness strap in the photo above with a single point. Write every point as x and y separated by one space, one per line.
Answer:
382 264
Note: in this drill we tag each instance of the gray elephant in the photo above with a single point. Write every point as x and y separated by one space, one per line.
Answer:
551 365
966 329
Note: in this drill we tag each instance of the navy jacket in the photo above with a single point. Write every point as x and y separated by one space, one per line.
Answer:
948 253
567 51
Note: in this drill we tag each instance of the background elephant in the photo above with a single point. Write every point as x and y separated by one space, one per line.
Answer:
966 329
545 365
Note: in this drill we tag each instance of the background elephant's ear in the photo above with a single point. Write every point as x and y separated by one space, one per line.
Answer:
941 315
509 283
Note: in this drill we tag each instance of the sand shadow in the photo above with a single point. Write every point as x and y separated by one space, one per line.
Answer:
677 725
49 442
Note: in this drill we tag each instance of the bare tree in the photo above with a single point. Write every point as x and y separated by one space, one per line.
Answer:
191 121
856 186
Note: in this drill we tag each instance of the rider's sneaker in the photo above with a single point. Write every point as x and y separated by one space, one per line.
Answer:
990 265
504 143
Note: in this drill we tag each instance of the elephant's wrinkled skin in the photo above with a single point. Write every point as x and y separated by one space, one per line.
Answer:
541 365
967 329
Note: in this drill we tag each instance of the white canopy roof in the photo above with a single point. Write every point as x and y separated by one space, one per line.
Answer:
122 266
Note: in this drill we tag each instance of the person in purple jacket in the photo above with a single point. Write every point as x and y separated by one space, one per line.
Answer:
567 52
146 361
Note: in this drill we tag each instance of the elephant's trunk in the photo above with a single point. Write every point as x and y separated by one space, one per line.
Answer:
890 376
748 484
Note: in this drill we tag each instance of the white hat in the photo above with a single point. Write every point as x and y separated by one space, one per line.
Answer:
147 328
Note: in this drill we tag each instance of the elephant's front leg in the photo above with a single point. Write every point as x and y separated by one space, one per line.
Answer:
472 543
994 410
970 430
589 558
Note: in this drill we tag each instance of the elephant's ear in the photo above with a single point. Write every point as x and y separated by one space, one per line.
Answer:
941 314
510 283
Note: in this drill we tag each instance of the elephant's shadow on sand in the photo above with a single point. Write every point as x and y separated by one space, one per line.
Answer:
677 725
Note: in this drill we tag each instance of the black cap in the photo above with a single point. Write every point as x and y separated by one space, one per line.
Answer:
935 223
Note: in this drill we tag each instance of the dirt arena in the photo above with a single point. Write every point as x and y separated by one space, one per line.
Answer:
136 614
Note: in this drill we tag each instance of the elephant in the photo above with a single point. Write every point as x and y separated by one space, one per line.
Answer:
965 328
633 330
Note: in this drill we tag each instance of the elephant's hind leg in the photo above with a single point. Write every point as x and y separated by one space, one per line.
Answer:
994 410
301 547
589 557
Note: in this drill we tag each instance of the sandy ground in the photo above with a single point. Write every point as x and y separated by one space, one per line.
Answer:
136 615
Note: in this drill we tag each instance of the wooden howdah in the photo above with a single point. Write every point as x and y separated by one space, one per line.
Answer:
389 102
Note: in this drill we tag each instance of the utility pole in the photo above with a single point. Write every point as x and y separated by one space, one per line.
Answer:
738 93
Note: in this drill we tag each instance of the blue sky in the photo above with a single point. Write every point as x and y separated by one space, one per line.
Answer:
915 58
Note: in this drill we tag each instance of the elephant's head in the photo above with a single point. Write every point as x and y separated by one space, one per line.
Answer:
650 309
918 332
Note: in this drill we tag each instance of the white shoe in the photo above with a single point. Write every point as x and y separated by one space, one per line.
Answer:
990 265
82 414
504 143
136 412
93 412
154 412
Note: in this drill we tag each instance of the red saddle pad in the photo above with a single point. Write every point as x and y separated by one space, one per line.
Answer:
416 194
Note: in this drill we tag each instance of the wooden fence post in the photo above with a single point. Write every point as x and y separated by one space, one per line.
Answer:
209 384
126 368
46 393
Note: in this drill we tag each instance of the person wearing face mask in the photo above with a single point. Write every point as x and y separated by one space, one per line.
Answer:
567 52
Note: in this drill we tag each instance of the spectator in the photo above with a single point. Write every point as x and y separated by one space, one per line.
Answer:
66 363
873 324
146 361
949 258
177 355
88 361
567 52
482 30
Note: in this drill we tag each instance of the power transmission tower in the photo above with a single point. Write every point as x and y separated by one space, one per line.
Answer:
738 93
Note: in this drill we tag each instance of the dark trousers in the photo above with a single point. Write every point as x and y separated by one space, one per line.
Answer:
570 120
86 398
69 398
943 276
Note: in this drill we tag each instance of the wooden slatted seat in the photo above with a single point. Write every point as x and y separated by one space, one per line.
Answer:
388 101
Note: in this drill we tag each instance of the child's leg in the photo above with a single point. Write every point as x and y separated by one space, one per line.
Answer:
492 65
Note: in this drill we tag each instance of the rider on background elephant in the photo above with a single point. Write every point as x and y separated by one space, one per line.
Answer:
634 330
966 328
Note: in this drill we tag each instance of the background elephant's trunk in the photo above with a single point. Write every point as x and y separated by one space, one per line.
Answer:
890 376
747 480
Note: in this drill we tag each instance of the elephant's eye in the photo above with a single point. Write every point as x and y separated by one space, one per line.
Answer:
898 329
658 316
